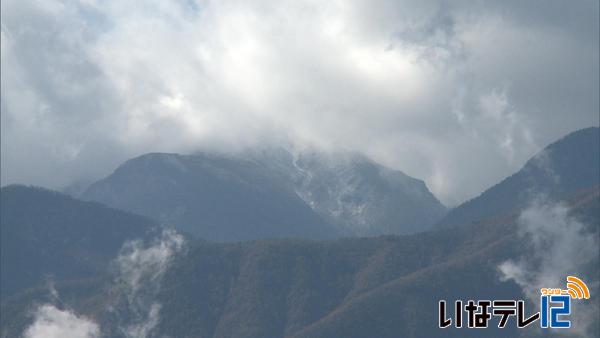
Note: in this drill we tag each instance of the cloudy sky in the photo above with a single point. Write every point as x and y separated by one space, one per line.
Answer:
457 93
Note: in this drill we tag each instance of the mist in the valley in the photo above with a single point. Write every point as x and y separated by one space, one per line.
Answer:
559 245
138 272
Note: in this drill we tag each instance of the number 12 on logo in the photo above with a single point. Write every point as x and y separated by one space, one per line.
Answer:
550 313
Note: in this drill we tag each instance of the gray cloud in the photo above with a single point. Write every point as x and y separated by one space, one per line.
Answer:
457 93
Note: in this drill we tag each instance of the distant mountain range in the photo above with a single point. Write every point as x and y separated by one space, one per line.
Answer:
269 194
559 170
384 286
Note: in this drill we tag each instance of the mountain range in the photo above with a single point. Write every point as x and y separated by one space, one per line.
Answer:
377 286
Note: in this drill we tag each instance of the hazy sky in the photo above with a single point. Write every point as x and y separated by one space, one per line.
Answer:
457 93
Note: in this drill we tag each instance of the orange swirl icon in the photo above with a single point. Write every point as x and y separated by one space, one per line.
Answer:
577 288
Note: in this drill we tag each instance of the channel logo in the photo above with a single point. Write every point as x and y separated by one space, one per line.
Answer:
555 304
555 309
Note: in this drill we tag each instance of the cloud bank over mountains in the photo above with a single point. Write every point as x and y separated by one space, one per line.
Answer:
458 94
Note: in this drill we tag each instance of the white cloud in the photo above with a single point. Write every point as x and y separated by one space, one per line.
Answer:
138 264
51 322
139 274
139 269
559 246
428 88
